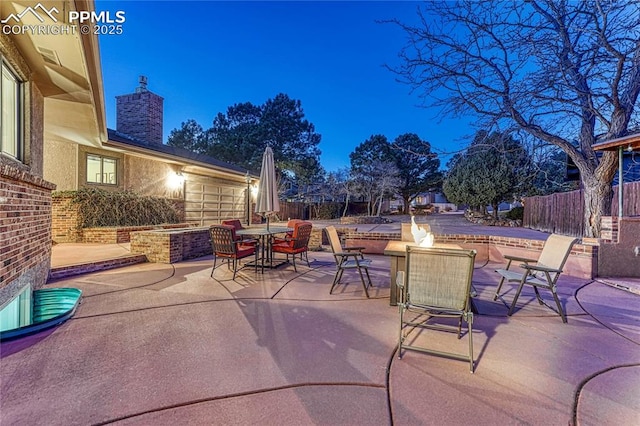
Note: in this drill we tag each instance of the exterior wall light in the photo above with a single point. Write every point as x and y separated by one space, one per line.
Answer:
175 180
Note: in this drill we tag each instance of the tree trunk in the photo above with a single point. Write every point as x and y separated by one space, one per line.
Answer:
495 210
597 203
407 204
346 205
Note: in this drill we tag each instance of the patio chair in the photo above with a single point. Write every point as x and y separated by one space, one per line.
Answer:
237 226
290 224
226 245
544 274
298 243
437 283
347 258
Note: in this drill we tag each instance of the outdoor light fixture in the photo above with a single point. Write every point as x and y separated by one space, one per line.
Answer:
176 179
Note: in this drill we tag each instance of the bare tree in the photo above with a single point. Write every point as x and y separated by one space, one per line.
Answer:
566 72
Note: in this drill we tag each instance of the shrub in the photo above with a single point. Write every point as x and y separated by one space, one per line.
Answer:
98 208
329 210
516 213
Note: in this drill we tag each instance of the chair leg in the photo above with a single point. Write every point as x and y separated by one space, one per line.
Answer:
515 299
363 283
336 279
214 264
368 277
469 320
400 337
495 296
235 268
535 290
306 256
560 310
294 262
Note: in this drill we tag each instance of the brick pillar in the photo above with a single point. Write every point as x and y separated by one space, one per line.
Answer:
65 221
609 229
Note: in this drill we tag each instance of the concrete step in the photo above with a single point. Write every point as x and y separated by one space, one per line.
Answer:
95 266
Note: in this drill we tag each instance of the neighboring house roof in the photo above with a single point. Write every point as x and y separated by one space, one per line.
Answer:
171 153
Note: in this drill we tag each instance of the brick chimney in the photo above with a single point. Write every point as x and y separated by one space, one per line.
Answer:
139 114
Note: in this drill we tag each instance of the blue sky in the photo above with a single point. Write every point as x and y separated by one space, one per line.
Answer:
205 56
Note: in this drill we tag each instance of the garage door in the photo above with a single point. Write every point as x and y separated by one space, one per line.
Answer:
208 200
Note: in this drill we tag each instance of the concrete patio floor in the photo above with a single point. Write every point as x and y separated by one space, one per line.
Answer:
166 344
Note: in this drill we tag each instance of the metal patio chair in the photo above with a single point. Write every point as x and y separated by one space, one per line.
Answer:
298 243
436 283
544 274
226 245
347 258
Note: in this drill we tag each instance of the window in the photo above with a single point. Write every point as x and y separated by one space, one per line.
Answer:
11 116
101 170
18 312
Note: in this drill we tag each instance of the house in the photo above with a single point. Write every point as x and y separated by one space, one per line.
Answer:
54 137
133 157
50 90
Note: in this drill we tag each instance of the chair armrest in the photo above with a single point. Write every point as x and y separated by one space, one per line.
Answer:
344 254
519 259
539 268
285 239
247 240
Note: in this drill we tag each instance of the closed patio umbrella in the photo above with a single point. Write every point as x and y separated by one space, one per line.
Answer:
267 203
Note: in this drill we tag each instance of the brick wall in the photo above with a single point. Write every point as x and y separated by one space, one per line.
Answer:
583 260
609 229
171 246
65 221
25 229
121 234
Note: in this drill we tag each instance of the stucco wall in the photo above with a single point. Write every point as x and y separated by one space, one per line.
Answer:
150 177
61 165
619 258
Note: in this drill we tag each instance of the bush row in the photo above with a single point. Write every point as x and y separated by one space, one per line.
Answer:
98 207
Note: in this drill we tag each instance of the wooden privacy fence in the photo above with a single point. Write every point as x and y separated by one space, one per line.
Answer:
563 212
289 210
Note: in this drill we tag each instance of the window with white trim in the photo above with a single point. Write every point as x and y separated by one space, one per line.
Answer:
11 131
102 170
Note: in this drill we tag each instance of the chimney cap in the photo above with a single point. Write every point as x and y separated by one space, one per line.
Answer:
143 84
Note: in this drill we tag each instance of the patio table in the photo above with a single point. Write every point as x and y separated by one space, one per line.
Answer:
263 234
397 251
